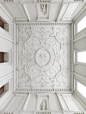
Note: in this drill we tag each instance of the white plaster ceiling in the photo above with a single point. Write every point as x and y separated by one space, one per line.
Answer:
57 10
43 57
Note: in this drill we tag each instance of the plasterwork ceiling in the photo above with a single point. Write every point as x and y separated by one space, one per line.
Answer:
44 57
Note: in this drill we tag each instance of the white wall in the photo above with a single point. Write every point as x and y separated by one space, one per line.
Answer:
79 45
6 69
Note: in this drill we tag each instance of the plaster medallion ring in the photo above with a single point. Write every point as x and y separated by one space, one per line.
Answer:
44 57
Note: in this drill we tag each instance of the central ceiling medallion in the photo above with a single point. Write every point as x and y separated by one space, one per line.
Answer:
42 57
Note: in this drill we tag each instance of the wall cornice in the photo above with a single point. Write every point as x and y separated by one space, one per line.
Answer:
30 25
42 23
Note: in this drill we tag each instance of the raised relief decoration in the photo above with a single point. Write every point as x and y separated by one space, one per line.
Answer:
44 105
43 12
44 57
43 8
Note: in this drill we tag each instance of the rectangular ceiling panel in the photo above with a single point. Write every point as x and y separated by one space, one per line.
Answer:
53 11
70 10
14 9
63 9
30 11
22 11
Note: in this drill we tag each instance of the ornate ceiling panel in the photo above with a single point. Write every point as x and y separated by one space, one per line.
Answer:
43 55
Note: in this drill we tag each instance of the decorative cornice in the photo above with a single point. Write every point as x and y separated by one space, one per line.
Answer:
71 54
40 23
15 35
8 113
23 89
79 0
40 90
41 112
46 112
8 0
43 1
